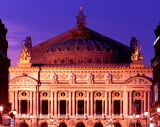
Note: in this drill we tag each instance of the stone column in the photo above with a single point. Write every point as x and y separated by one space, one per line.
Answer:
127 103
145 109
130 103
34 104
49 106
76 107
110 104
92 103
31 103
55 103
73 103
148 100
87 103
70 103
16 102
19 101
40 107
28 107
52 103
106 106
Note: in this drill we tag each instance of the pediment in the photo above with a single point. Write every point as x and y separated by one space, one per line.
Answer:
23 80
138 81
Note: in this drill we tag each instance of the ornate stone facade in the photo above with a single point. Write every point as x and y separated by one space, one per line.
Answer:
80 80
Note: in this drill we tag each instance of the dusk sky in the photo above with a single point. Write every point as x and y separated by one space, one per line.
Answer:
45 19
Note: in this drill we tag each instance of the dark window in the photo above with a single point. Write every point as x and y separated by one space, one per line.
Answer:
24 107
80 107
44 106
62 106
62 125
98 125
80 125
98 107
117 107
137 106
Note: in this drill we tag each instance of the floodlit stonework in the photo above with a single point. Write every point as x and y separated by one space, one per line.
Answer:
80 79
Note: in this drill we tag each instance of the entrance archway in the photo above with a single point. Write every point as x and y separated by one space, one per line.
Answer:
117 125
44 124
81 125
98 125
62 125
24 124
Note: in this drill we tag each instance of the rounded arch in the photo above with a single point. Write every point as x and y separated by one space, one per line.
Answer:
117 125
98 125
139 80
81 124
45 124
24 124
62 125
23 80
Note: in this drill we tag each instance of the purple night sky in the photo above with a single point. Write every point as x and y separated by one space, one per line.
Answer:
44 19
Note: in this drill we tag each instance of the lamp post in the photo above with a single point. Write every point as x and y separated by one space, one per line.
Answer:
146 114
1 110
158 111
14 115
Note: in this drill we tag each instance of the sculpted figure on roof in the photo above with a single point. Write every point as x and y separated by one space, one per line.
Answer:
136 55
24 56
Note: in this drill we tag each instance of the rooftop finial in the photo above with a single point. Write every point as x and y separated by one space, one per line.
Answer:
81 8
81 18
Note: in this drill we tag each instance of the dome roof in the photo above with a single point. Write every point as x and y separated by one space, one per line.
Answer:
80 44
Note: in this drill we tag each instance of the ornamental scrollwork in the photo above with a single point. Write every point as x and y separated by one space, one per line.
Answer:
23 81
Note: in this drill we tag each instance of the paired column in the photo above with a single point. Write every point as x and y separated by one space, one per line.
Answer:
52 104
106 106
130 103
73 103
91 103
110 103
70 103
55 102
88 103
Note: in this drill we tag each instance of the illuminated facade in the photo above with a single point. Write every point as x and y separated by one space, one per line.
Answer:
80 79
4 70
156 74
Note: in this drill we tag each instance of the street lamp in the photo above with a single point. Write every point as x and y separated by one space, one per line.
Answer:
1 110
158 110
12 115
146 114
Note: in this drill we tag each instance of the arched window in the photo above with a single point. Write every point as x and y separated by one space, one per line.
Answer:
80 125
24 124
62 125
98 125
44 125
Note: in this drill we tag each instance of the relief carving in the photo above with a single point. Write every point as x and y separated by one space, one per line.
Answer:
24 81
63 76
81 76
45 76
139 81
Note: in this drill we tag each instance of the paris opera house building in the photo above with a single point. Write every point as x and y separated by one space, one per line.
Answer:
80 78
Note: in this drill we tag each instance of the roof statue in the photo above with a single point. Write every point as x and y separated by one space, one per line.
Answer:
136 55
28 42
81 18
24 56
